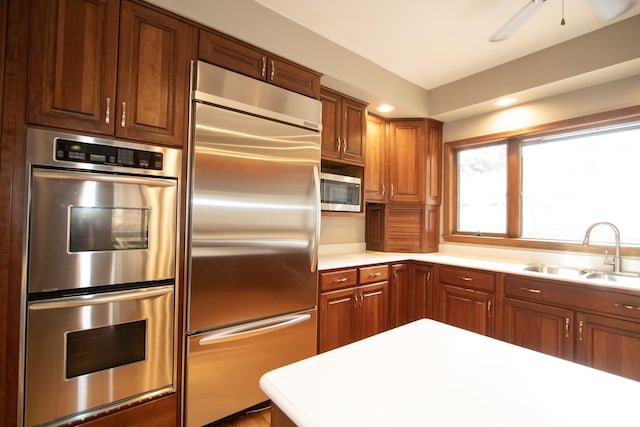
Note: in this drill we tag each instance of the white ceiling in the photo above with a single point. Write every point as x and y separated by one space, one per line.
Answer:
435 42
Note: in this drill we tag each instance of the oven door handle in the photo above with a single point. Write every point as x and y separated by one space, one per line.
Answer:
103 177
253 329
97 299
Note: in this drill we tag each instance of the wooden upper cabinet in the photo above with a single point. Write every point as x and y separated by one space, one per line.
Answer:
109 68
245 59
153 76
434 162
375 172
343 128
407 161
72 64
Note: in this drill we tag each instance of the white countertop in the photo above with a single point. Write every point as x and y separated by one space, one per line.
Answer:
431 374
330 261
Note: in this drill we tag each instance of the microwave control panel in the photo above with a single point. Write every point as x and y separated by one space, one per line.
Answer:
77 151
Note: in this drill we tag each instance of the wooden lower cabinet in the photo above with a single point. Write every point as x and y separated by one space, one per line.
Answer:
539 327
410 292
468 309
609 344
353 312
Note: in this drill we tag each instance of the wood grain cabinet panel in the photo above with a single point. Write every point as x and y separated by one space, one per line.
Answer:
609 344
246 59
109 67
337 318
410 286
467 309
375 171
73 64
153 76
539 327
407 161
343 128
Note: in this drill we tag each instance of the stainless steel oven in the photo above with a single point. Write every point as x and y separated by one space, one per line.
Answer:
99 284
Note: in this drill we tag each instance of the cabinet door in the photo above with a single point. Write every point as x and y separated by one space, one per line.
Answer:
609 344
420 305
337 318
375 171
404 227
407 161
232 55
353 131
467 309
401 295
540 327
331 124
373 309
72 64
153 76
293 77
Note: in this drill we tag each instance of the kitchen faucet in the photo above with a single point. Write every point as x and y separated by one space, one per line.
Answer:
617 260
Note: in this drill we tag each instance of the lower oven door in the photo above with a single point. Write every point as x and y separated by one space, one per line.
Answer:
86 354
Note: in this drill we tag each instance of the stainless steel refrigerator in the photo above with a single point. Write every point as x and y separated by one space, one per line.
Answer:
252 228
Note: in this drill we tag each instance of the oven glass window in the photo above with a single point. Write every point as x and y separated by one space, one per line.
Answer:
104 348
108 229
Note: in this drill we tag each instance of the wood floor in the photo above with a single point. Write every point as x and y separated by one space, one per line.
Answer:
261 418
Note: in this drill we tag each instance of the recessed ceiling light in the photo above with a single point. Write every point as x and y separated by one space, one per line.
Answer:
385 108
505 101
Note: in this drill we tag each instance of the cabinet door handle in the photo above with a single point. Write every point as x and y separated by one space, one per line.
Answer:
383 190
344 146
273 70
489 309
263 73
428 275
107 116
340 280
566 327
338 144
465 278
531 290
392 190
123 120
580 325
627 306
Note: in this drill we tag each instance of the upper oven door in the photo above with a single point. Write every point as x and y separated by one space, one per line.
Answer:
93 229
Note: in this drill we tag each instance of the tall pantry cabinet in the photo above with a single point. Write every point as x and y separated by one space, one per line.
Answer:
402 184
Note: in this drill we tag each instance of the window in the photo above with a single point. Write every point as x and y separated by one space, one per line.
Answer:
543 188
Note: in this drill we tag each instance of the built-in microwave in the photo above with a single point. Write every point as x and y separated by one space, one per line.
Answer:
340 193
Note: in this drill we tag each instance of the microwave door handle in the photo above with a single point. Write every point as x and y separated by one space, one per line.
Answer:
315 234
97 299
235 333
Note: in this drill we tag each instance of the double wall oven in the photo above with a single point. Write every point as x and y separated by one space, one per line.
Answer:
99 275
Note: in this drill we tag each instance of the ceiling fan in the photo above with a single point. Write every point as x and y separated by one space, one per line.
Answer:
607 9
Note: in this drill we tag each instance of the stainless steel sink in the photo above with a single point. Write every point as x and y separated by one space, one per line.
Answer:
621 278
557 270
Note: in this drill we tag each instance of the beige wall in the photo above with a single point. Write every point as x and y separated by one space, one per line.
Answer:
338 229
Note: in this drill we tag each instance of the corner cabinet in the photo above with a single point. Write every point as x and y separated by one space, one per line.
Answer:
410 286
243 58
118 69
343 128
353 304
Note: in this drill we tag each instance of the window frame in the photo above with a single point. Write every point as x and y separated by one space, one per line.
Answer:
513 140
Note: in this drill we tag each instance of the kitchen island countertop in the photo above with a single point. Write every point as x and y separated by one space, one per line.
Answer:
430 374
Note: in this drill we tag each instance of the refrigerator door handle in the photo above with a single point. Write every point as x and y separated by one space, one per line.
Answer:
316 233
253 329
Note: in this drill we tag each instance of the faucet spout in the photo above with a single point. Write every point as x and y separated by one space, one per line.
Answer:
617 260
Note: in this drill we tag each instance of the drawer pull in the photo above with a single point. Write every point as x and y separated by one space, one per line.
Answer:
340 301
372 275
531 290
343 279
465 278
627 306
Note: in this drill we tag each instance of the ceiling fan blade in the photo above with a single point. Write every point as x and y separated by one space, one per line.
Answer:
609 9
517 20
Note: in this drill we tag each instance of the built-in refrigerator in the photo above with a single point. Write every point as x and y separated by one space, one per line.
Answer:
252 238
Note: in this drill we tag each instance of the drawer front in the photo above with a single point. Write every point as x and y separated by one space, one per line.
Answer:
376 273
576 296
338 279
467 278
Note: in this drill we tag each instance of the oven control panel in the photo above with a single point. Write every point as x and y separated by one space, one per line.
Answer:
76 151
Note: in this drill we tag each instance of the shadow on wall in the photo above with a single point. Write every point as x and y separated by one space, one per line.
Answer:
338 229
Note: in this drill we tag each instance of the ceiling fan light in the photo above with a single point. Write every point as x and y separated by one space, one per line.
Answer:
609 9
517 20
